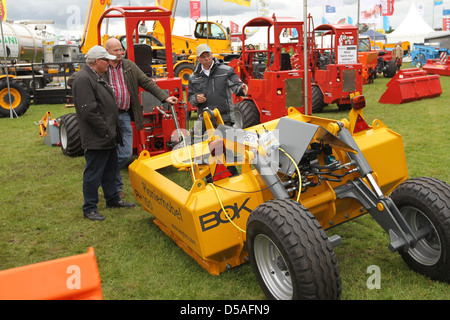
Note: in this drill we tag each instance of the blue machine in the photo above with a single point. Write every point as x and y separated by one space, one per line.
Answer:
421 52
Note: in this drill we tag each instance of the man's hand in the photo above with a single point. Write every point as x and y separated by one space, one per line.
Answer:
244 89
171 100
201 98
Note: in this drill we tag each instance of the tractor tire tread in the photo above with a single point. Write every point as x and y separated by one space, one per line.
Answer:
306 242
435 196
73 148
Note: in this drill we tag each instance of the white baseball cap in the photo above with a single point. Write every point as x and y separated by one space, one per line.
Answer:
202 48
98 52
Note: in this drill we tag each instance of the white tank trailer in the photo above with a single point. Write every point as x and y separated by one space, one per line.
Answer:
21 44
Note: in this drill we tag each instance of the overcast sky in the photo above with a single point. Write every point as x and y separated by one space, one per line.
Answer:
69 15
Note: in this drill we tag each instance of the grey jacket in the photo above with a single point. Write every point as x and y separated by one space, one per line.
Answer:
97 111
217 88
135 78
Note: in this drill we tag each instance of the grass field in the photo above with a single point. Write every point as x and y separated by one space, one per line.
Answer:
41 217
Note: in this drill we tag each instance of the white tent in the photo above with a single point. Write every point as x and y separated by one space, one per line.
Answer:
413 28
260 38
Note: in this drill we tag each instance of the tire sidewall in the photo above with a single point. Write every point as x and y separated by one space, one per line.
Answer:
402 198
24 97
255 228
303 244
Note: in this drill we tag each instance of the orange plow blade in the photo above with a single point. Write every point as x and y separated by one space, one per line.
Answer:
410 85
71 278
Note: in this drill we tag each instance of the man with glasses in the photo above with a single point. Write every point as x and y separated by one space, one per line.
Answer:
98 121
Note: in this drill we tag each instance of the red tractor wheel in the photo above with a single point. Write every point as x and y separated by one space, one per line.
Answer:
246 114
317 103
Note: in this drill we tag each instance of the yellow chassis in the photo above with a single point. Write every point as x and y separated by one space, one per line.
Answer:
208 220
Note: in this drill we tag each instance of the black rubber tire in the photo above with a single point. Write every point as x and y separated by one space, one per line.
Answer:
391 69
423 202
246 114
317 103
304 265
20 98
69 135
183 71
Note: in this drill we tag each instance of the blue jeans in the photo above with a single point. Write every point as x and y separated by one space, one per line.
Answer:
124 152
100 170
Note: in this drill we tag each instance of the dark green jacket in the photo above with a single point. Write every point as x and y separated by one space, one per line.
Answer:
135 78
97 111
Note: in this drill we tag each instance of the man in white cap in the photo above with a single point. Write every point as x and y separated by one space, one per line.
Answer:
212 84
98 121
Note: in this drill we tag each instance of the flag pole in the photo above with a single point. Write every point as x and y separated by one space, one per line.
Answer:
305 55
432 17
207 24
357 23
11 110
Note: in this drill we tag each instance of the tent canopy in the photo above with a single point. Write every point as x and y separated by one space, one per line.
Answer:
376 36
413 28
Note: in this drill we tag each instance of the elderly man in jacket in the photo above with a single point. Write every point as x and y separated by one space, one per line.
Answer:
125 78
98 121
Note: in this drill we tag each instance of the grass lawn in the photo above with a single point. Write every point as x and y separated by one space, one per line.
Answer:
41 217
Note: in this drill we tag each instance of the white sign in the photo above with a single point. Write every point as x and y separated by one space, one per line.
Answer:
347 55
12 46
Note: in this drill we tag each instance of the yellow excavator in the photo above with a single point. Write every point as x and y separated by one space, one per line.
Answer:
214 34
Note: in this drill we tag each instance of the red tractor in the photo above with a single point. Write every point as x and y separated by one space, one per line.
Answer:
334 63
275 71
374 60
273 84
162 121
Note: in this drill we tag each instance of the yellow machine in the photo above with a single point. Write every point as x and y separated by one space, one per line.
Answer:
95 11
214 34
299 175
406 46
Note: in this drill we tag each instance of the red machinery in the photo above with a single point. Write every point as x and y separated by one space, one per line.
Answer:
410 85
336 71
275 74
374 60
273 84
438 66
161 121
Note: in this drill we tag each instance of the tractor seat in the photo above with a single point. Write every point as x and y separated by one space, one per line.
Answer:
285 61
143 57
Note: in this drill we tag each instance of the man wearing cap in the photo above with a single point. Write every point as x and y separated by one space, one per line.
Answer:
212 84
98 121
125 78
